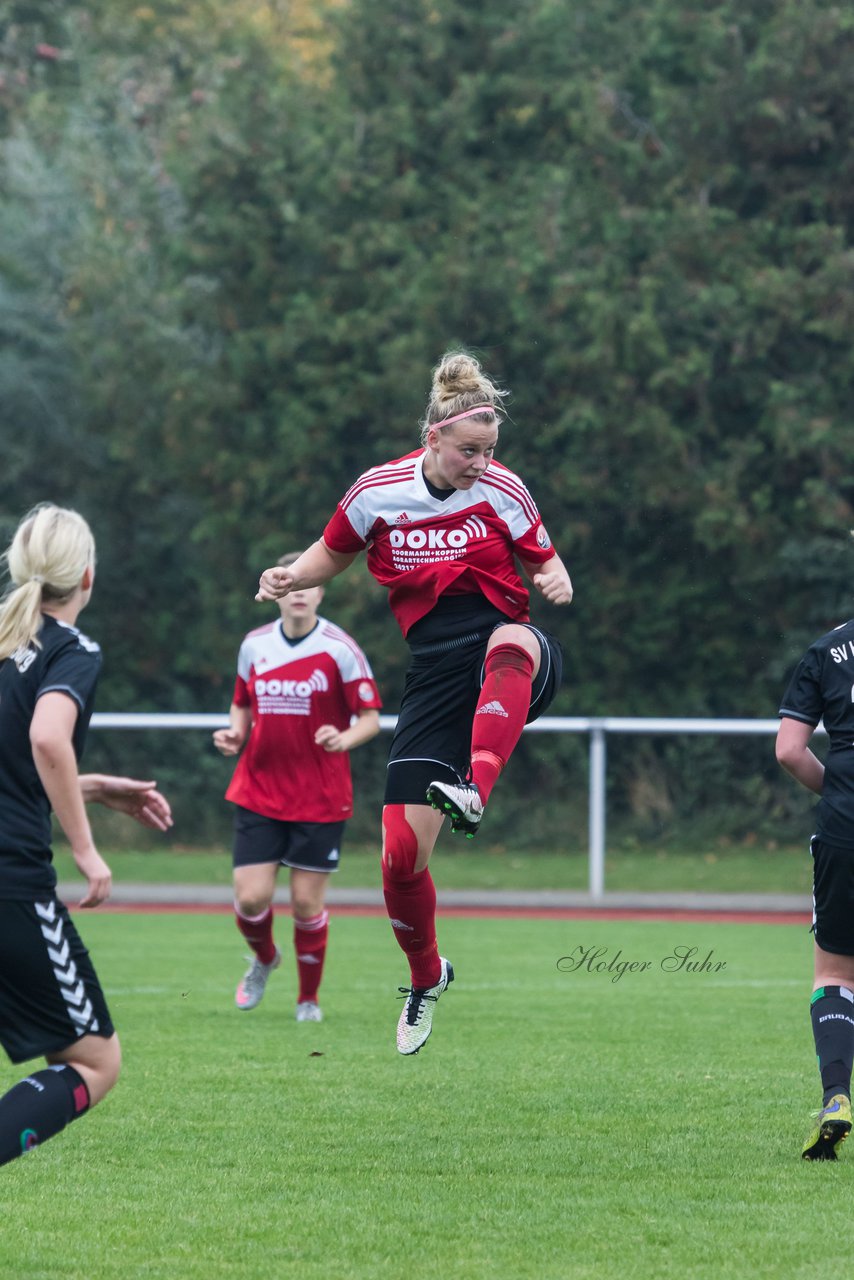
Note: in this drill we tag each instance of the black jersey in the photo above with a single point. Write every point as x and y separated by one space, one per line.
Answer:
822 688
66 662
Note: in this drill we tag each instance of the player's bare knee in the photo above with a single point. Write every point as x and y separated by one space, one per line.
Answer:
252 905
304 907
511 644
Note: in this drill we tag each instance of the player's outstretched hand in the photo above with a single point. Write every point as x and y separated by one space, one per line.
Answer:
554 586
139 800
99 878
274 583
228 742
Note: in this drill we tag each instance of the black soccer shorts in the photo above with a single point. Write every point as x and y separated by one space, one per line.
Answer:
306 846
833 897
49 992
432 740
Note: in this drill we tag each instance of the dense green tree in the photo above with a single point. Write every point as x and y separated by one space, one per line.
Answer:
236 237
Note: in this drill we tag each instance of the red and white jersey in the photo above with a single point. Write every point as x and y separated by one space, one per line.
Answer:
422 547
294 687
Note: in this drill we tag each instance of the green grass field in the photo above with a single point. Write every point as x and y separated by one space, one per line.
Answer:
467 865
558 1124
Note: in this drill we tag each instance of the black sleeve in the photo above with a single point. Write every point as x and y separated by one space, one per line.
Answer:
803 700
72 669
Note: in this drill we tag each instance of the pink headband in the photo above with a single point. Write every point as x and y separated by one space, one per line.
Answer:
478 408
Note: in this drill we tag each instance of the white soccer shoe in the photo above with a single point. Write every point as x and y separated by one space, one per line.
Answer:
250 990
416 1021
462 802
308 1011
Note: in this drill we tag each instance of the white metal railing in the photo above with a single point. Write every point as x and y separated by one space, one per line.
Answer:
598 727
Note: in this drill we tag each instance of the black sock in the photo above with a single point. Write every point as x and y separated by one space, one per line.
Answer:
39 1107
832 1014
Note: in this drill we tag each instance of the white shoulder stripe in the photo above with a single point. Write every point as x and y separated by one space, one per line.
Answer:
261 631
506 476
350 498
516 491
376 480
335 633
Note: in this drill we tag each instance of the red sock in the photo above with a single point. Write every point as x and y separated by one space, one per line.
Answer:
410 899
258 932
502 709
310 945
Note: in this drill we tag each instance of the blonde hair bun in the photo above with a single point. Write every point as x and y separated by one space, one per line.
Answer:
459 383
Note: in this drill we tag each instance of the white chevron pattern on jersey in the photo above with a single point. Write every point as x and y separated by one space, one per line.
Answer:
73 991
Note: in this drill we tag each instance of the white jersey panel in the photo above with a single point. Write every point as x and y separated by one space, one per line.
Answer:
267 649
397 495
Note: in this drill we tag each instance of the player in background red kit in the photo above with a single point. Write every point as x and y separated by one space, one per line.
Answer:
304 697
443 527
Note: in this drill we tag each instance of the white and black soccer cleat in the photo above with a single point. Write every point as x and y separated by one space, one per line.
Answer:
416 1021
461 801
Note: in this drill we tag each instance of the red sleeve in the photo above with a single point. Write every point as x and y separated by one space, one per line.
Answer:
362 695
535 545
240 697
339 534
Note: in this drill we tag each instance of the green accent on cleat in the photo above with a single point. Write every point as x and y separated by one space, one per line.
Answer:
831 1128
461 802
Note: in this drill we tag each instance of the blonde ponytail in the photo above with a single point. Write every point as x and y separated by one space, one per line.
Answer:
49 554
459 383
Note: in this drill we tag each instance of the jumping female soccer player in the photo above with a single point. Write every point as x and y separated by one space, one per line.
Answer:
441 527
51 1003
300 683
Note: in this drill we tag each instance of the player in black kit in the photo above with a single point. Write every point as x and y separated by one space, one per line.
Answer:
51 1003
822 689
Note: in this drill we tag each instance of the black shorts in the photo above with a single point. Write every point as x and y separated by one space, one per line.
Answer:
833 897
432 740
306 846
49 992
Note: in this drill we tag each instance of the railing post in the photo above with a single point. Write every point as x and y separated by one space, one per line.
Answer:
596 815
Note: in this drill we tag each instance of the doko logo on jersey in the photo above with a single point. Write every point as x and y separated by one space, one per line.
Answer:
289 697
423 545
438 539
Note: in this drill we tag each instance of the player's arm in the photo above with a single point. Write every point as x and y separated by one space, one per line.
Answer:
315 566
333 740
139 800
551 579
51 731
794 754
230 741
